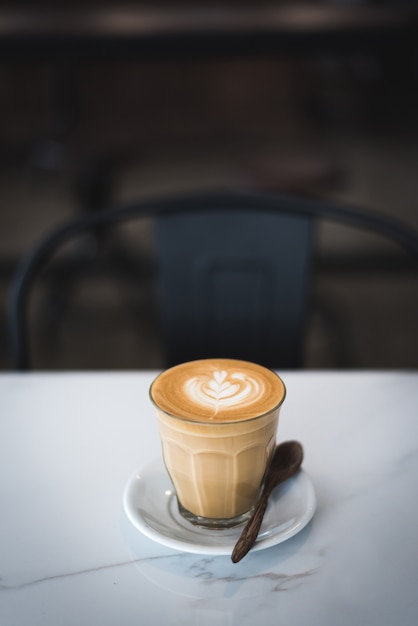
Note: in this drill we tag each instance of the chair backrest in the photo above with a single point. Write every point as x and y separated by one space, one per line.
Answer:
234 284
234 271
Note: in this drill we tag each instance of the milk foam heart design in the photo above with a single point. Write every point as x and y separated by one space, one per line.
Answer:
217 390
223 388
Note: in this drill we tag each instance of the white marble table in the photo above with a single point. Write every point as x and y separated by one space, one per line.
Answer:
69 556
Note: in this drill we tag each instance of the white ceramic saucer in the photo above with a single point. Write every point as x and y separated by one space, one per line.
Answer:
150 503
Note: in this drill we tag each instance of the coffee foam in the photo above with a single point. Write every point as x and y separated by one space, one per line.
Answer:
218 390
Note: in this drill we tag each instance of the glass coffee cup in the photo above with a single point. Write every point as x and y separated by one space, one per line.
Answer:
218 421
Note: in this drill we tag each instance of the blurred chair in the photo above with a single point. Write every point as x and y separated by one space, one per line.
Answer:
233 274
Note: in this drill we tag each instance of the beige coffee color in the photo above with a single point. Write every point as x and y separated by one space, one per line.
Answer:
217 420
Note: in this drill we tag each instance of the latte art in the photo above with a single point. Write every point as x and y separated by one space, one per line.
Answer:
217 390
223 389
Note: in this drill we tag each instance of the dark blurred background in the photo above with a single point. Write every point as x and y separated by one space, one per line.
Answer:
102 102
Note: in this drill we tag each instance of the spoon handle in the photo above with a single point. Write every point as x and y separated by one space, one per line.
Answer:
250 530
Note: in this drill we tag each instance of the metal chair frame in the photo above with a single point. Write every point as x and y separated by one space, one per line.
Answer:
209 204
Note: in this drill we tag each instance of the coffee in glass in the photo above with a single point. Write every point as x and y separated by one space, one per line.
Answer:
217 420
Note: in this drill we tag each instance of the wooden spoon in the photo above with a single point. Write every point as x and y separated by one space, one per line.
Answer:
286 461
